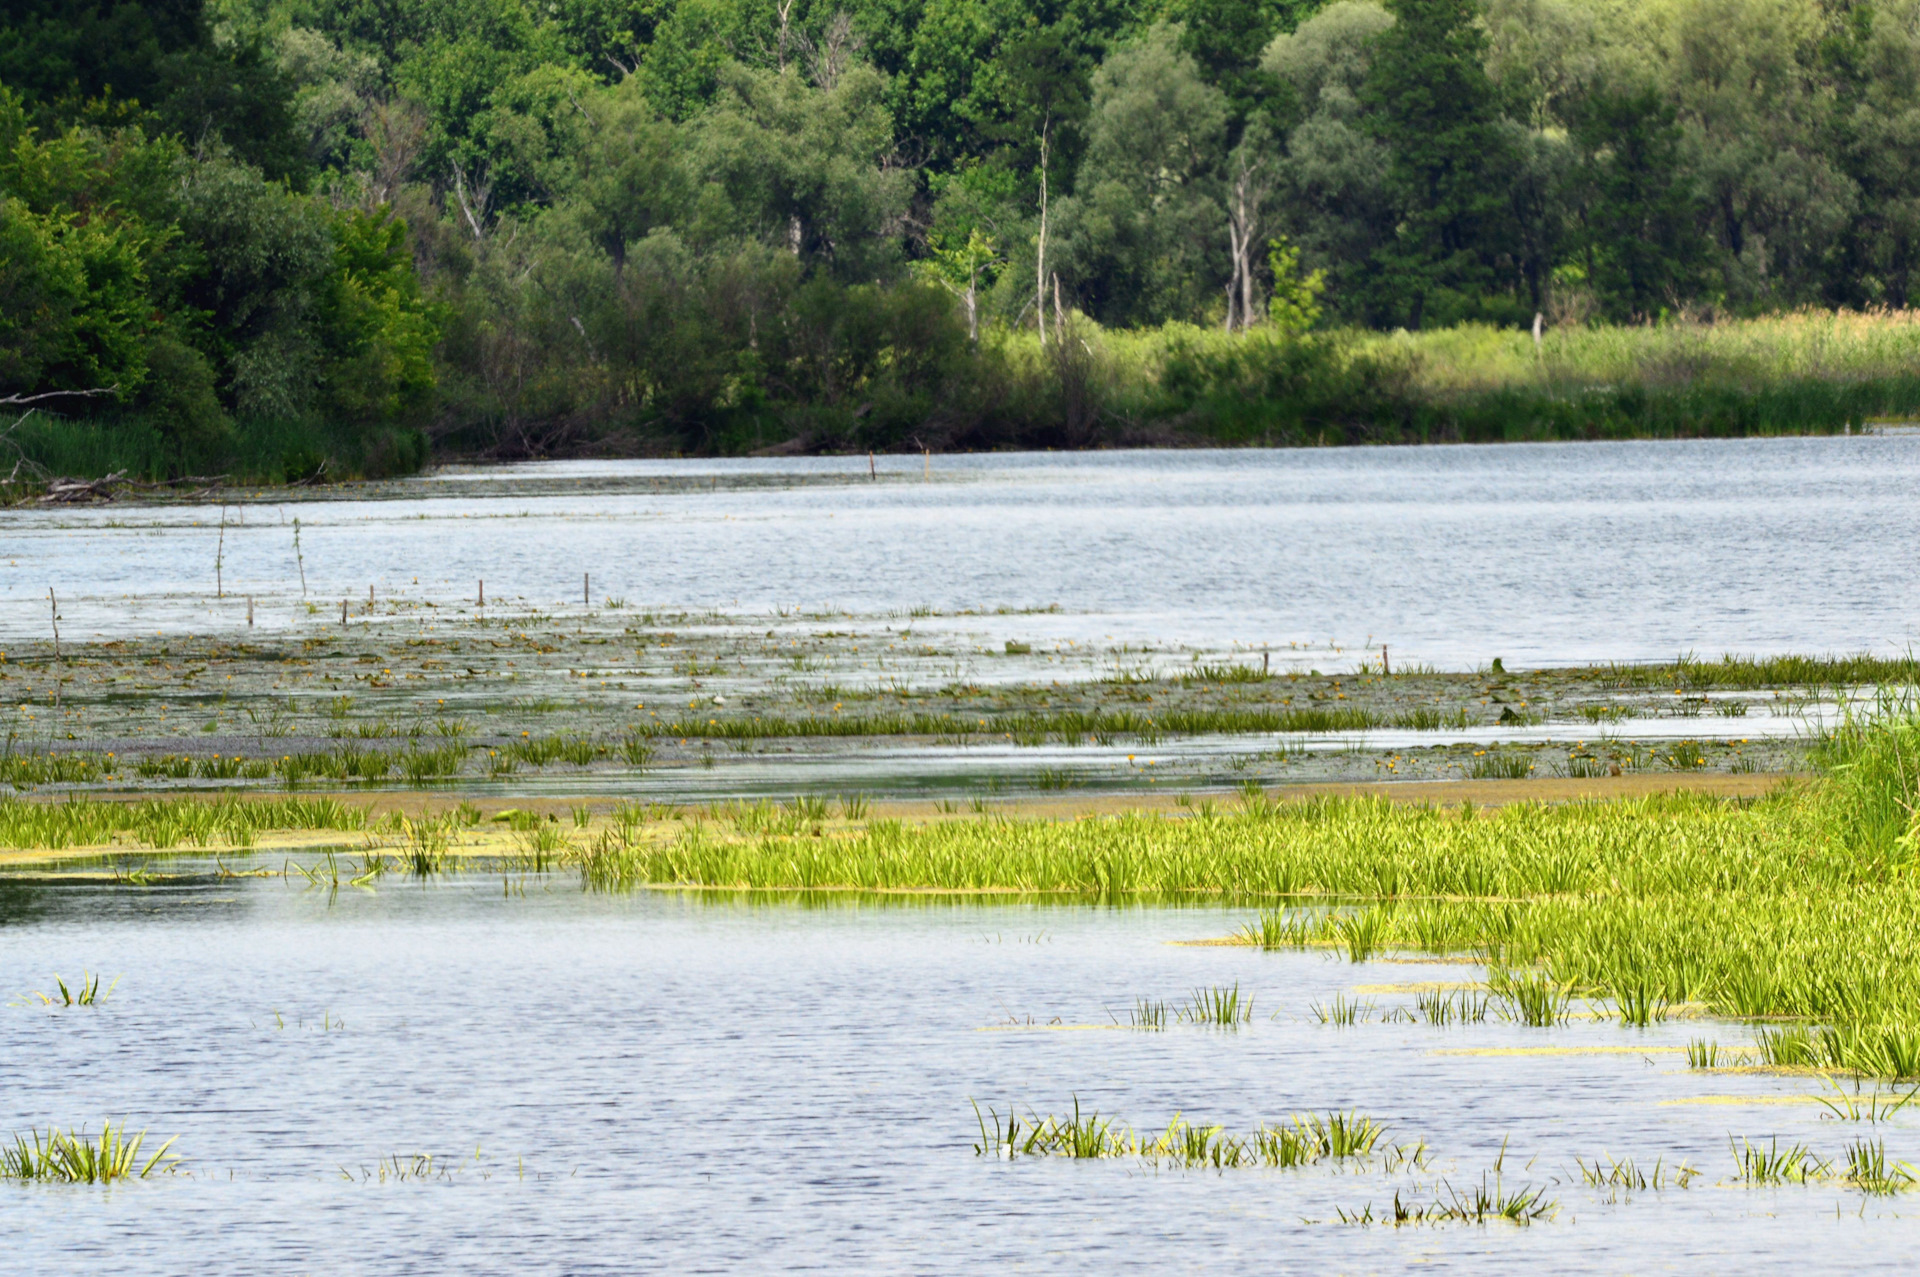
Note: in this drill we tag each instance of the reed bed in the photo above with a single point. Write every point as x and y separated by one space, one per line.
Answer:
166 823
73 1157
1066 726
1303 1140
1803 907
1735 672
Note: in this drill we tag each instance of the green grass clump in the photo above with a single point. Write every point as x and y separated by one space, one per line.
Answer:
86 992
71 1157
25 771
166 823
1495 764
1303 1141
1034 728
1220 1005
1803 907
1734 672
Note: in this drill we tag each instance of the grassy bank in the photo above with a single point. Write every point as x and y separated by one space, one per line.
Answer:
1808 372
247 451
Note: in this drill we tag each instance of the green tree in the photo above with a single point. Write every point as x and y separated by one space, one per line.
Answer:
1639 232
1148 231
1432 105
1335 200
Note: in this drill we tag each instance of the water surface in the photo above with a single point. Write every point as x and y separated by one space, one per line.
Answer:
1550 553
664 1083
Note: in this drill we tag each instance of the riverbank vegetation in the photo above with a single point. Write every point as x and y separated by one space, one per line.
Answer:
287 239
1800 910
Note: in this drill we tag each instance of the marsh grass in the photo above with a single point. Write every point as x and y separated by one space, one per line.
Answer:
1341 1012
1875 1107
72 1157
1869 1171
1219 1005
1531 998
164 823
1427 718
1030 728
86 992
1740 672
1621 1176
26 771
1302 1141
1771 1164
1459 1006
1499 765
1639 1003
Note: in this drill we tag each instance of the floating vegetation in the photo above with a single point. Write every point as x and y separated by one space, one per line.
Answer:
72 1157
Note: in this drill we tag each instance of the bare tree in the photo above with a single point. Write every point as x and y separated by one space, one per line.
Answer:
1251 178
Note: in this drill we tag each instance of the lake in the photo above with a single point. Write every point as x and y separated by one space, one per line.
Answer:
1540 554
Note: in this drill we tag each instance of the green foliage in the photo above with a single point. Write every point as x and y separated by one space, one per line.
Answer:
731 224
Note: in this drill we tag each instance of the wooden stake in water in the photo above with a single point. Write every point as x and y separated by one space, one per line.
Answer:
220 554
927 455
1265 668
873 471
483 592
249 611
1384 667
53 606
300 558
586 598
343 613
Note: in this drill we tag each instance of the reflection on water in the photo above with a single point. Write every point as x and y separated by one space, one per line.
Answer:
1537 553
667 1083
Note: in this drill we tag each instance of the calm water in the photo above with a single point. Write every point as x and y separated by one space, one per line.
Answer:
662 1084
1539 554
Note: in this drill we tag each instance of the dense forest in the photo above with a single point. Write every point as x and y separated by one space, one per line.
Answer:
336 230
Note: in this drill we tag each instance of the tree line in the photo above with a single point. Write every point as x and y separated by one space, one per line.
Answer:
526 227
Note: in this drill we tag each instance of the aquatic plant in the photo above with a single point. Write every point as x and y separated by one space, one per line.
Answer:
1148 1015
1532 998
1304 1140
166 822
1622 1176
1869 1171
1341 1012
1033 727
1499 765
71 1157
1460 1006
1219 1005
1771 1164
85 993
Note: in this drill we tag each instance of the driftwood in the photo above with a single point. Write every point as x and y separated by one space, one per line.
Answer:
79 491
